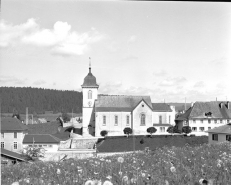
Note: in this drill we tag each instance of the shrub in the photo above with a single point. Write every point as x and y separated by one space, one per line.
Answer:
173 129
128 131
103 133
151 130
186 129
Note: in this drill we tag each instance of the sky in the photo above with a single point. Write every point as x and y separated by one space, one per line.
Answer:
171 51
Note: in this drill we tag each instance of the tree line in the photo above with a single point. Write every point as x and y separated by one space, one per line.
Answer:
39 100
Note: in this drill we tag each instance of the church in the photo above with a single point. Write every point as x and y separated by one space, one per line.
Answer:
115 112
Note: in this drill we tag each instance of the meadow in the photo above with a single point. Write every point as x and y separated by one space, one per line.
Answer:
188 165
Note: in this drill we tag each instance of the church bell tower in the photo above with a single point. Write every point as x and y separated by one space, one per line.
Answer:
90 93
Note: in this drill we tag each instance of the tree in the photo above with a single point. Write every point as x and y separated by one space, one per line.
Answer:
172 130
151 130
103 133
127 130
186 129
66 117
33 153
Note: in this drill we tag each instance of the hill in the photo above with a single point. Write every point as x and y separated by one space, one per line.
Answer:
38 100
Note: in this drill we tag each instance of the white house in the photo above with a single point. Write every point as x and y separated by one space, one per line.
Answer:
202 116
115 112
220 134
12 134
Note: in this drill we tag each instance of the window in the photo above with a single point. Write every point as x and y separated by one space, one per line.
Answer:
215 137
104 120
40 145
160 119
116 120
215 121
2 144
201 120
169 119
228 137
194 129
209 121
15 134
50 146
15 145
162 129
2 135
227 120
30 145
221 121
89 94
127 120
44 145
209 128
185 123
142 119
201 129
194 121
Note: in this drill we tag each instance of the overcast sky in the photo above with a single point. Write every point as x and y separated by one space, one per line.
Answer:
168 50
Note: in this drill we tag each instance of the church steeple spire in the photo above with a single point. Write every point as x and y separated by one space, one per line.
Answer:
89 64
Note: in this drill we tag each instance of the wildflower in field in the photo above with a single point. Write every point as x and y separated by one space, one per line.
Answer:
120 173
107 183
173 169
58 171
125 178
143 174
120 159
15 183
109 177
166 182
89 182
133 180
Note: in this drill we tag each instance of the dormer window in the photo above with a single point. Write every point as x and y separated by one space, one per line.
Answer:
89 94
208 114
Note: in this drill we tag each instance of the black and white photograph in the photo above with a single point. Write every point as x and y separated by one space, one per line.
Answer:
115 92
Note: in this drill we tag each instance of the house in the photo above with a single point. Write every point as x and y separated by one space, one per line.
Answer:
202 116
115 112
220 134
47 141
12 134
9 157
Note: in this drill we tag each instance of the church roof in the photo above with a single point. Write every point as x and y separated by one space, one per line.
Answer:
90 80
119 103
161 107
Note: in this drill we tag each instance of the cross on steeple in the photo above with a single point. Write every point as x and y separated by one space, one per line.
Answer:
89 64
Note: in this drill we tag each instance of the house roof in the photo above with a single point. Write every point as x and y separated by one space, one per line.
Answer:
12 154
161 107
224 129
219 110
40 138
119 103
12 124
90 80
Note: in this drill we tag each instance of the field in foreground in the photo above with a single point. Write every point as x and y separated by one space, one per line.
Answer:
166 166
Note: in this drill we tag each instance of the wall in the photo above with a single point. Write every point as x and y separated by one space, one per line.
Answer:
141 108
221 138
110 123
9 141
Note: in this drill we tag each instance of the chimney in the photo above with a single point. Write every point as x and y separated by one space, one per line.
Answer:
228 105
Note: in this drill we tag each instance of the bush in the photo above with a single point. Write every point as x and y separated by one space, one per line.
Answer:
128 131
186 129
103 133
151 130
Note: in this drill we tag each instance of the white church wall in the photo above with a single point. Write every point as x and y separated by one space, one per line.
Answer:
110 126
137 127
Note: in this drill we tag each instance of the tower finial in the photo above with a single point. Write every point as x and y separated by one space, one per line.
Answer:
89 64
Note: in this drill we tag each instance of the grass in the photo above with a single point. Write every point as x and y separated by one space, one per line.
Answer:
122 144
165 166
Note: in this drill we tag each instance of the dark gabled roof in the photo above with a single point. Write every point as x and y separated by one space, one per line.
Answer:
12 154
225 129
40 138
218 109
12 124
90 80
119 103
43 128
161 107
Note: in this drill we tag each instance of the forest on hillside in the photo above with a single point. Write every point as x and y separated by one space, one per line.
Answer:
39 100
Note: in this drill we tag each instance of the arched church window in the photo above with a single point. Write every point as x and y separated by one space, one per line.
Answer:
142 119
89 94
